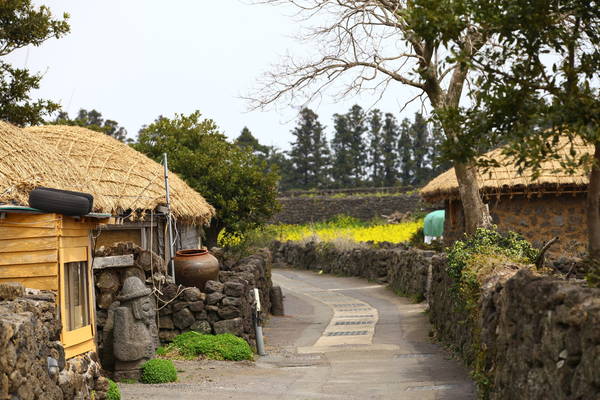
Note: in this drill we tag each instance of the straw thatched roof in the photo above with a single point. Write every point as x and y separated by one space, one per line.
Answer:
27 163
125 178
505 179
75 158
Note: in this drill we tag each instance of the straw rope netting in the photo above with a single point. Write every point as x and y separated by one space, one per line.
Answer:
27 163
119 177
506 177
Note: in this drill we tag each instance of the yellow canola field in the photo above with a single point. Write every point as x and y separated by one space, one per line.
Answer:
394 233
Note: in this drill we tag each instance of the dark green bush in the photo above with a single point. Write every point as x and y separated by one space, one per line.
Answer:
114 393
218 347
158 370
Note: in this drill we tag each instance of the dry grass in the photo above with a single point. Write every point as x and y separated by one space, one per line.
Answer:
506 176
75 158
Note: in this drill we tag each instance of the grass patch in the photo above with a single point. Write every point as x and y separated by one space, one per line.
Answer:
158 370
113 393
217 347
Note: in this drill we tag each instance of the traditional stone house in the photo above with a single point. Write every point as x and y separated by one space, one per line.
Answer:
553 204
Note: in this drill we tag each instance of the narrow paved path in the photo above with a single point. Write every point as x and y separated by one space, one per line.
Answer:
341 338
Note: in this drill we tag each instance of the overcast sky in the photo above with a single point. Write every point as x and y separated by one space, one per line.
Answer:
137 59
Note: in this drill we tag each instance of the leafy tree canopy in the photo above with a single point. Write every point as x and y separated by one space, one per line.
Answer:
93 120
231 178
25 24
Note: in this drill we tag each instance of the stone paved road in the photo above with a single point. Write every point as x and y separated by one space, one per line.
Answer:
341 338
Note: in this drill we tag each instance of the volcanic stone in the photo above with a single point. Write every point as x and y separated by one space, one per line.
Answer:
232 301
234 326
214 298
183 318
202 327
193 294
229 312
196 306
234 289
213 286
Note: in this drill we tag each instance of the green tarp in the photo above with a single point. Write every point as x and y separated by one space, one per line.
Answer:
434 223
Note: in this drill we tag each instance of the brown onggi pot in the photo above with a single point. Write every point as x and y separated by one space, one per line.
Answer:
195 267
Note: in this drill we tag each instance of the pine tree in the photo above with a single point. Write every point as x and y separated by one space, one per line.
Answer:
309 155
357 128
340 145
405 145
247 140
375 147
320 157
438 163
350 158
419 132
389 150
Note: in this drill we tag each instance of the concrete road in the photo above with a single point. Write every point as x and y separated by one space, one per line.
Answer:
341 338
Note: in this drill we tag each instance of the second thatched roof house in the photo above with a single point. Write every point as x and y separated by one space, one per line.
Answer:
553 204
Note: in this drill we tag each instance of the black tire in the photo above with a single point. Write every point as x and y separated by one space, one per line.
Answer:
61 201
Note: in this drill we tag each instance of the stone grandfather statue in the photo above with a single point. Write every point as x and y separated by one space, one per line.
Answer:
131 329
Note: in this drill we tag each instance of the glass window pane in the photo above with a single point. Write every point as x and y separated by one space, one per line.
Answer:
76 295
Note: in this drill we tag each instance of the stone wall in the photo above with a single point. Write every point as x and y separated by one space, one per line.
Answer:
299 210
404 269
224 307
534 337
538 219
29 334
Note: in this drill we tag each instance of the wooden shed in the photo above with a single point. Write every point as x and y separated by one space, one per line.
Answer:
53 252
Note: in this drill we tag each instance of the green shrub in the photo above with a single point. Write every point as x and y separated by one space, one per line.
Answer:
469 261
217 347
486 244
158 370
114 393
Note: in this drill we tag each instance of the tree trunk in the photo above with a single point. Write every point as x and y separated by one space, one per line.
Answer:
477 214
593 207
212 233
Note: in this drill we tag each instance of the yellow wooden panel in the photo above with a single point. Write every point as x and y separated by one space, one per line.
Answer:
74 232
71 338
73 254
31 220
29 244
29 270
39 282
80 348
28 257
14 232
81 241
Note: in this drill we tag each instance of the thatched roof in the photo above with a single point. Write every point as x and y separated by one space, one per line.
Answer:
75 158
505 179
27 163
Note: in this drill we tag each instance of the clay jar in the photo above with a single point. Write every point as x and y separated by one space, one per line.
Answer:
195 267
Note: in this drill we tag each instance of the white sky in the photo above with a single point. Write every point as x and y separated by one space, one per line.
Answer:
137 59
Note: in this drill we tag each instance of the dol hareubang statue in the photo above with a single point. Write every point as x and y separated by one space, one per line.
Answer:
132 325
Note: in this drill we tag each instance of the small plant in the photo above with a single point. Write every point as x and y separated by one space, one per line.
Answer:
113 393
158 370
218 347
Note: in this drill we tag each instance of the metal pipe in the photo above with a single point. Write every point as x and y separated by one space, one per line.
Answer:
169 226
260 342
